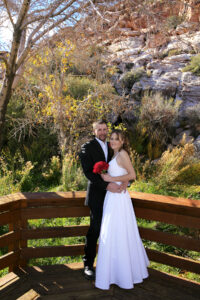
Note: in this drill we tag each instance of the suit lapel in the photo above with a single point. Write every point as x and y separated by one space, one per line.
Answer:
110 152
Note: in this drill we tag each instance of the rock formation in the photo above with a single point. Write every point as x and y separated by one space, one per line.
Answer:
162 53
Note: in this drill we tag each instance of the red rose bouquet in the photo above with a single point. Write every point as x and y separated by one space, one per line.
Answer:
100 167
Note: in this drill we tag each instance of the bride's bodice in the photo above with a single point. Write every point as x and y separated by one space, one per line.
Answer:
114 169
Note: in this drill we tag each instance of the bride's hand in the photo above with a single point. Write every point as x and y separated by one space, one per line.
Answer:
107 177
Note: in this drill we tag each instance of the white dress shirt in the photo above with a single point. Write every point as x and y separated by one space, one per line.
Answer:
104 147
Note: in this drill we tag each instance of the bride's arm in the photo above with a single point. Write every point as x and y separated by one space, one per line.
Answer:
124 161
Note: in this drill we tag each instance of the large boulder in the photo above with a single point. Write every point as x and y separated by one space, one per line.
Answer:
129 43
189 89
163 69
165 82
197 143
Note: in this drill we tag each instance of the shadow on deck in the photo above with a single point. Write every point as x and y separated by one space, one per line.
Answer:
67 282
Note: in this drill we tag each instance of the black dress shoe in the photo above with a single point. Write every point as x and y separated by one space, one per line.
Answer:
89 273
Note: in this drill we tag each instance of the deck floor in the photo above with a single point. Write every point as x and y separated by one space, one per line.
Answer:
63 282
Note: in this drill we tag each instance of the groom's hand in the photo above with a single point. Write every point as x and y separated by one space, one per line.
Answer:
113 187
123 186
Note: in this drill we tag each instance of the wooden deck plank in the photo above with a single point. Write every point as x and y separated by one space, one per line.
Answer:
170 239
8 279
169 200
30 295
67 282
49 251
9 217
166 217
9 259
56 202
50 232
54 212
174 260
143 198
9 237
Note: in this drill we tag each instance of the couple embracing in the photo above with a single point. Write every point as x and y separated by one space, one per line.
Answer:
122 259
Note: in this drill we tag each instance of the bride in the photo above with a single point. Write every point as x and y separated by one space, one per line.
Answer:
122 259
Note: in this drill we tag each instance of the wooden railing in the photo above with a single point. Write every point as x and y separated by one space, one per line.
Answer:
17 209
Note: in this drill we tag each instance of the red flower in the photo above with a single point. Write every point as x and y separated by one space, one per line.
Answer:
100 167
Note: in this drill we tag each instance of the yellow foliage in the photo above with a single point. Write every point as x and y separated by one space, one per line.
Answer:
179 165
30 70
190 174
150 150
67 100
2 65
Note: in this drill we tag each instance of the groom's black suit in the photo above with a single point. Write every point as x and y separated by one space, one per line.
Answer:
91 152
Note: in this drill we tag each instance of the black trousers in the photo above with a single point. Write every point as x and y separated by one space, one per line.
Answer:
93 234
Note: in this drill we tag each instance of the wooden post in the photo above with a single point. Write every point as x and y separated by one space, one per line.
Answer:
15 246
23 242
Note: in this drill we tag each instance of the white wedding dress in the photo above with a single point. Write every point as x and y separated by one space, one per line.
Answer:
122 259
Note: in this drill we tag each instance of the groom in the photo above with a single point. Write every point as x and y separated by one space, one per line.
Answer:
91 152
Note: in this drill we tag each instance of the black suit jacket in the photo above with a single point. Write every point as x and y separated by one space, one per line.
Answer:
91 152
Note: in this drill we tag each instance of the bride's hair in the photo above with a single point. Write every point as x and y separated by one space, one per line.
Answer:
121 135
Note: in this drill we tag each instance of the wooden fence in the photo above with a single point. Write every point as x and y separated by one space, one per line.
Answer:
17 209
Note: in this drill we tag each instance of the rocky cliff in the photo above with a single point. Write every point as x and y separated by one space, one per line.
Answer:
160 56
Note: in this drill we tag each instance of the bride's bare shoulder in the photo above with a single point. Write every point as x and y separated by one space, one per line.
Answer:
123 154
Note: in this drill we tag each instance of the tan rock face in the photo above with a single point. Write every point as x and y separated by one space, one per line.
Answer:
194 13
142 20
191 8
159 12
156 40
134 23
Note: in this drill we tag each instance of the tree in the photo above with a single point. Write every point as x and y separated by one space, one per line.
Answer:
31 21
60 94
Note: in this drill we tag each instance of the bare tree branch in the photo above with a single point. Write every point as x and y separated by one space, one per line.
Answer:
8 11
33 41
97 11
51 13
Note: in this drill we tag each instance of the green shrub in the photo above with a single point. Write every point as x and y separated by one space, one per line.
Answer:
143 168
79 87
94 50
72 174
173 52
52 171
193 114
149 73
15 174
87 61
189 174
25 179
111 70
156 117
194 65
173 21
131 77
174 166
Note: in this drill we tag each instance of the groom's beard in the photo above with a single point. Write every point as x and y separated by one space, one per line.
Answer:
102 138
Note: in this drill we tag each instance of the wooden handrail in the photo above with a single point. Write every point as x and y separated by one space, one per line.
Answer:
17 209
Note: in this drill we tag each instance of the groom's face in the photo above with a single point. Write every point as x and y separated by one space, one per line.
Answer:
101 131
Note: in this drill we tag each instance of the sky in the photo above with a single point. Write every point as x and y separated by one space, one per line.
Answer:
6 31
5 35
